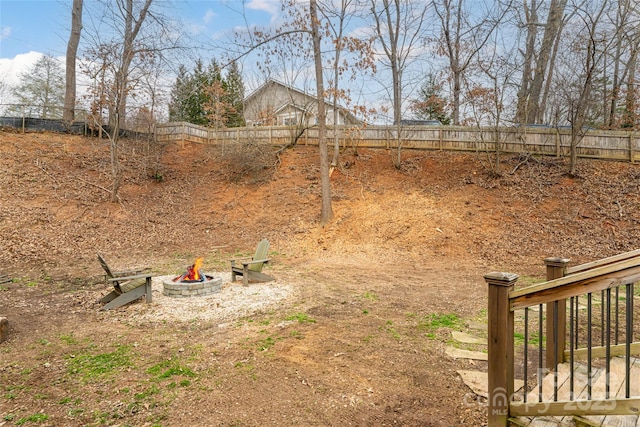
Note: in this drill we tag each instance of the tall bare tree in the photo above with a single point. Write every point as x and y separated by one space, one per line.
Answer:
465 30
40 90
592 46
536 62
126 45
399 28
303 25
326 214
338 16
628 40
72 52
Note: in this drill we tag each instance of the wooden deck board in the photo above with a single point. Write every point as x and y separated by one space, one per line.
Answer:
627 420
598 391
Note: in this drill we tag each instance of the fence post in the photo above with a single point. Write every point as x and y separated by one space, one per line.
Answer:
556 319
500 347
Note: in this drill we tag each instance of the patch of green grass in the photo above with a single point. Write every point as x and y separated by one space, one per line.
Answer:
370 295
148 393
246 368
391 330
169 368
73 412
35 418
89 366
266 344
301 318
3 288
534 338
434 322
68 339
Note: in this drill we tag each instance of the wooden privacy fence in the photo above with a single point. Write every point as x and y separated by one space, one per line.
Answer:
577 343
612 145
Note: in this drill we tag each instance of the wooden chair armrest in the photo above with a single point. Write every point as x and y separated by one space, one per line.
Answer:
240 258
256 261
137 276
130 272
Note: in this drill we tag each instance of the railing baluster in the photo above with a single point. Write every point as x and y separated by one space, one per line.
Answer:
628 339
555 351
617 313
571 362
589 344
526 353
602 318
540 369
577 334
608 342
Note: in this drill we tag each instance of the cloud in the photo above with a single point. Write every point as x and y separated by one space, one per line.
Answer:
11 68
5 32
208 16
270 6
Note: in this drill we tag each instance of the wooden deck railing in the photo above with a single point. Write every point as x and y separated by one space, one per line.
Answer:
567 331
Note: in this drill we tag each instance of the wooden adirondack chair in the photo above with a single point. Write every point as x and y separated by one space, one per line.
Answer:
128 285
251 268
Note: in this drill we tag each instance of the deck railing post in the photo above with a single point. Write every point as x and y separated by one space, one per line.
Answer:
500 347
556 319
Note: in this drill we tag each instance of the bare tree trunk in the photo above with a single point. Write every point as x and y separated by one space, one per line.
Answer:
326 214
132 27
547 84
582 104
551 32
336 79
631 104
525 85
72 50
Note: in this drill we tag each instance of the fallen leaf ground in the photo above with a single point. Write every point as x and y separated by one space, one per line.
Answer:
360 339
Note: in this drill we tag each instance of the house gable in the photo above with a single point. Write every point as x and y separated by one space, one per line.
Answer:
275 103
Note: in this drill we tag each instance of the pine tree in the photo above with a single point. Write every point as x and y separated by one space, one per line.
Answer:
431 105
205 97
179 93
234 96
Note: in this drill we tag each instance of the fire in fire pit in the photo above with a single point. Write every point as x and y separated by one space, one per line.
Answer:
193 273
192 283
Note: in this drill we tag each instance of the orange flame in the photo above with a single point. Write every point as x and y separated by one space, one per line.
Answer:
193 272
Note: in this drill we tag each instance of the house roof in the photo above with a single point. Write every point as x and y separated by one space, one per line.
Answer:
272 81
292 105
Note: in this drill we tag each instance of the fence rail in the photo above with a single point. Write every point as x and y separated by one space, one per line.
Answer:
611 145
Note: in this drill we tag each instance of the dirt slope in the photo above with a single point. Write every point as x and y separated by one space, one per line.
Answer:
354 344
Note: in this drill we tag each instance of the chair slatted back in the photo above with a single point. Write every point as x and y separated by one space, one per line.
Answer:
261 253
105 266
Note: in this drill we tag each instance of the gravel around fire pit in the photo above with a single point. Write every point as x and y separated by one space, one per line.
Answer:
232 302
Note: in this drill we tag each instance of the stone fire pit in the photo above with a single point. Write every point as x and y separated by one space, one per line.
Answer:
185 289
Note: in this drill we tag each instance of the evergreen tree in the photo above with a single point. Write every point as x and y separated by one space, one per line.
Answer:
430 104
234 90
179 93
205 97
